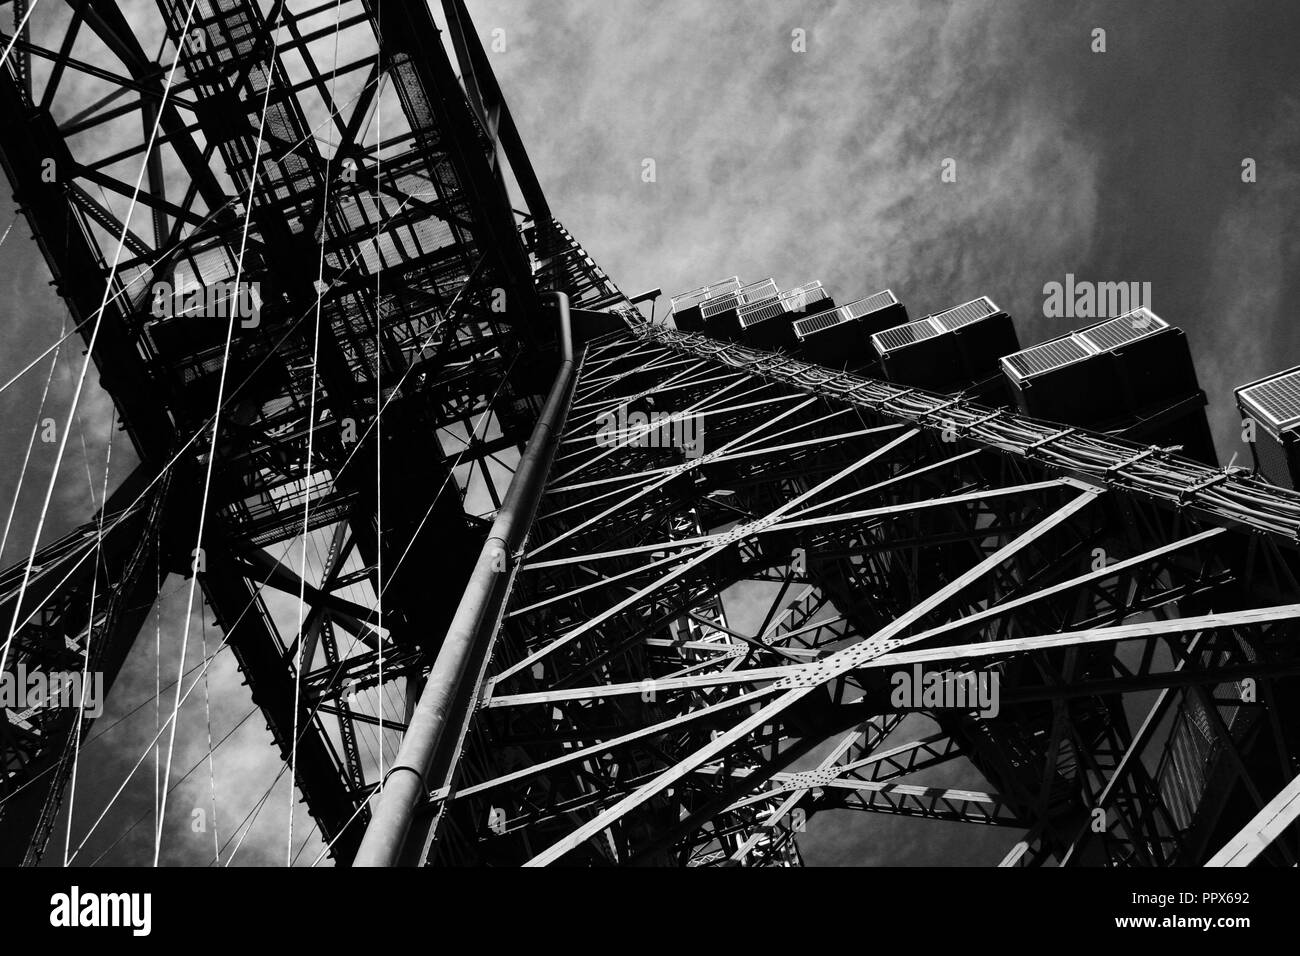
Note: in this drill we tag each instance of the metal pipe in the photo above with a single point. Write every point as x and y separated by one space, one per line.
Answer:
405 783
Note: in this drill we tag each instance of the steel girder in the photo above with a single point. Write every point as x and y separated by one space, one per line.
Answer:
686 632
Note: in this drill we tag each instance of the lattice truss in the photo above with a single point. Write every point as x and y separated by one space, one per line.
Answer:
355 161
701 644
698 655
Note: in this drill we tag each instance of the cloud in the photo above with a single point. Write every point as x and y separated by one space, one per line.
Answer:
1252 282
821 164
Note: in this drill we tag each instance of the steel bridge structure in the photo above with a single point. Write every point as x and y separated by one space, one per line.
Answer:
684 648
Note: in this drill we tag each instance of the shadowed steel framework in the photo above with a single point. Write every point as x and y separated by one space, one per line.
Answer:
690 654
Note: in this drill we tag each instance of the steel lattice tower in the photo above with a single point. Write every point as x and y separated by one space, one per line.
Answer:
611 649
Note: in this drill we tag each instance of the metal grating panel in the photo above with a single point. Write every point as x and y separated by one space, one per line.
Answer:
798 300
1276 399
1049 355
903 335
872 303
966 313
817 323
761 303
734 298
1134 325
751 315
759 292
711 307
792 300
694 297
725 287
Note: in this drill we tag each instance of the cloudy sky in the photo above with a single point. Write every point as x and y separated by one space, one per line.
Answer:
1115 166
1123 165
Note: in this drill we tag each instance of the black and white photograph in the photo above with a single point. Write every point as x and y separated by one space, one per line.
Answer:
644 434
